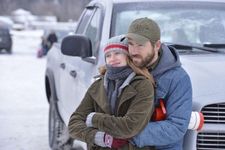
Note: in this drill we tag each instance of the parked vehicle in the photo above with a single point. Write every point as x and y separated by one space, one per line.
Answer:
5 39
194 27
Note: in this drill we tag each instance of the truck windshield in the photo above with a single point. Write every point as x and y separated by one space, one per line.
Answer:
189 23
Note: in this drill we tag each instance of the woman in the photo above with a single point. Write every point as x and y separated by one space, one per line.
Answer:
116 106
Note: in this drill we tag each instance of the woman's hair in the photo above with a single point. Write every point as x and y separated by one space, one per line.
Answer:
139 71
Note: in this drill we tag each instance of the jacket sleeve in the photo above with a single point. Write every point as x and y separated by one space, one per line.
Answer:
77 126
136 117
171 130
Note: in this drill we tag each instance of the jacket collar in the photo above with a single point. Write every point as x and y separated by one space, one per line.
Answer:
98 93
168 60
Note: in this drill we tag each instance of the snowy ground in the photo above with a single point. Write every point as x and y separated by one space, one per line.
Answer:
23 105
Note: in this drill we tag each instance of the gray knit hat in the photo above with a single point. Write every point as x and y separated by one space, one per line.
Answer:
144 29
116 43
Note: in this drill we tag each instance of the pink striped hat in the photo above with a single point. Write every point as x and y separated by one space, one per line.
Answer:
117 43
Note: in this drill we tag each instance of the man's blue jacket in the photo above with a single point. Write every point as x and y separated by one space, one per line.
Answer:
173 85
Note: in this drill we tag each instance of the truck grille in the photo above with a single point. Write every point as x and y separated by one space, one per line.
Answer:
211 141
214 113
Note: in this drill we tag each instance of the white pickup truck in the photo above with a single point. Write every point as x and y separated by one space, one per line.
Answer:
195 27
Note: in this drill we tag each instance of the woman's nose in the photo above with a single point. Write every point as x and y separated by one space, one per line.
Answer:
112 57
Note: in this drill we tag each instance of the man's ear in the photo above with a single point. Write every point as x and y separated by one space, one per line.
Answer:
158 45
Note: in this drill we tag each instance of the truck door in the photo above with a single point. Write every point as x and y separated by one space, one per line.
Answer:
76 74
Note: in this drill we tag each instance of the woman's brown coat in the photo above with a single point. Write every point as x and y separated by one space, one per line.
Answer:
133 112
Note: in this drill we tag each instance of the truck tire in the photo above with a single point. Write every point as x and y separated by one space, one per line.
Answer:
58 134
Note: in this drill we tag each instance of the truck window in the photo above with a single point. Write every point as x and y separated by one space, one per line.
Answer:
84 20
93 30
197 23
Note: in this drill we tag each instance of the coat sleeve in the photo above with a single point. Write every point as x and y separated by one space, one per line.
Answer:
136 117
77 127
171 130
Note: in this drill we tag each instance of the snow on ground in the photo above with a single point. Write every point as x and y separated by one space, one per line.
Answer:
23 105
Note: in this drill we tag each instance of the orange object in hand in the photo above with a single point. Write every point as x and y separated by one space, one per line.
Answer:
160 112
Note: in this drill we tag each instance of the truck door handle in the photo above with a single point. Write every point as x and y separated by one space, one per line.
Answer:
62 65
73 73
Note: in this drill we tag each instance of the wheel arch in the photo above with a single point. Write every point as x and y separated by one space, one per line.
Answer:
50 88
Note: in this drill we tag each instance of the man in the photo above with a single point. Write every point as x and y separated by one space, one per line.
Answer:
173 86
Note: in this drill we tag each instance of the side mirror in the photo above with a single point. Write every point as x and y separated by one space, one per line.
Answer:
76 45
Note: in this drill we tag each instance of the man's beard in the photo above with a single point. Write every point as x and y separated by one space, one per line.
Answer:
146 61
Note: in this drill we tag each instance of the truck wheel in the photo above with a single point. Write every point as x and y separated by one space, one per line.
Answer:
58 134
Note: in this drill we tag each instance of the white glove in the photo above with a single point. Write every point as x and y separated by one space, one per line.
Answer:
89 119
99 139
196 121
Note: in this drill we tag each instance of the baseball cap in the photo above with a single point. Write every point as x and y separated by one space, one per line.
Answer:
144 29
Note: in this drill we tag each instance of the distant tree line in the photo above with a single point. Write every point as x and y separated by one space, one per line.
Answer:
62 9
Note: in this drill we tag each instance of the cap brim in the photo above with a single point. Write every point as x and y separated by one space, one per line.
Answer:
137 38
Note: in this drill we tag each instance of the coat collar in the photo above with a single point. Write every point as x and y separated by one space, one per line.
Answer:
98 93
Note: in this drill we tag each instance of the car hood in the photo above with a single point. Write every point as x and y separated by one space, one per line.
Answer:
207 75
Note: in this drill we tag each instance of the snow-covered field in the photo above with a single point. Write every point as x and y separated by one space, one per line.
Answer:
23 105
